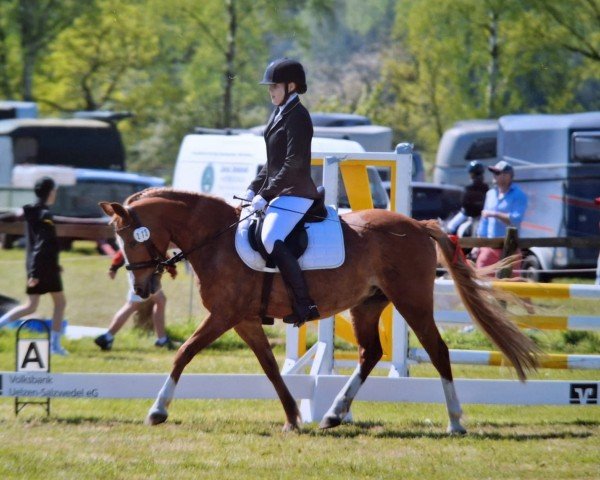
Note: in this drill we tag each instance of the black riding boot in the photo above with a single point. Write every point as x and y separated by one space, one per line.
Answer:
303 306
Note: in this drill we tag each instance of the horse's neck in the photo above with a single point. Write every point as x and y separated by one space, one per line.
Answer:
203 229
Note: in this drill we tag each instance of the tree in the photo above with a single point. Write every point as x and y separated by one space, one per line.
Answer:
343 52
235 38
89 61
212 55
29 26
460 59
577 30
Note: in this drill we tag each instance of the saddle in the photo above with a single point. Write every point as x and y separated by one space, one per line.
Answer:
297 239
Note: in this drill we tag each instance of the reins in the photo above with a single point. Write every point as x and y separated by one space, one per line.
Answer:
159 261
181 255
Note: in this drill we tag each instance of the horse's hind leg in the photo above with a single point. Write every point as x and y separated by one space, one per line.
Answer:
365 320
211 329
419 316
253 334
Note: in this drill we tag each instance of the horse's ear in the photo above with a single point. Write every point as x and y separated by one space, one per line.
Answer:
113 209
106 208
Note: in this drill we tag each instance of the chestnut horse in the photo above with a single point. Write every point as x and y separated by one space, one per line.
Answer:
389 258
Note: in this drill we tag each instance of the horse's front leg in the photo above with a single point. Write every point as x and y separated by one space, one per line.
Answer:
211 329
253 334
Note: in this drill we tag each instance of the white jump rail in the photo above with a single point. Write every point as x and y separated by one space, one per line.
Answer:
531 289
540 322
484 357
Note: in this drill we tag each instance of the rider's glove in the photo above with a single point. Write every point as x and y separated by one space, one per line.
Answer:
249 195
259 203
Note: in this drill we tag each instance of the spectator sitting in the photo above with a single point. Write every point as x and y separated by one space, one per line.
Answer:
473 198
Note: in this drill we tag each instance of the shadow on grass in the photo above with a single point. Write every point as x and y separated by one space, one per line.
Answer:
102 421
576 422
379 430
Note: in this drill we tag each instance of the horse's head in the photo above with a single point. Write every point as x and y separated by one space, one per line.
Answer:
144 242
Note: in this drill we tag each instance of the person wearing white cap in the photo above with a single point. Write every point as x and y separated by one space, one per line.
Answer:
505 205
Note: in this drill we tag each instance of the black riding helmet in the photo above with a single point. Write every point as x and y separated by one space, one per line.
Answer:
476 168
285 70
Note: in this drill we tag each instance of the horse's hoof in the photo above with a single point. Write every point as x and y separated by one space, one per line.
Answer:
290 427
156 418
330 422
460 430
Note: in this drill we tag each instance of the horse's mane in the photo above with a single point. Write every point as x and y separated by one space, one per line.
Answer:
187 197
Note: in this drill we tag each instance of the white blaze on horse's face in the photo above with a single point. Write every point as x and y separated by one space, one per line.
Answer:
137 285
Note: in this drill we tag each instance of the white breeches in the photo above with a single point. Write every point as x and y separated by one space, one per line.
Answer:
282 215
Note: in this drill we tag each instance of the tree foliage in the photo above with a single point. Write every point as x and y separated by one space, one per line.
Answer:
458 59
27 29
415 65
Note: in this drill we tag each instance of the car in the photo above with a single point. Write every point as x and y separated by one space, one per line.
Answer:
338 120
79 196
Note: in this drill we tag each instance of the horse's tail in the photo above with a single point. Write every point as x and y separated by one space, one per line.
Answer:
481 301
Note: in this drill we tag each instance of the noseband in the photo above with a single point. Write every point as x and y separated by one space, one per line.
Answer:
158 259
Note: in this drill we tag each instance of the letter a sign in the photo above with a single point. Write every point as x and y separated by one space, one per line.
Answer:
33 355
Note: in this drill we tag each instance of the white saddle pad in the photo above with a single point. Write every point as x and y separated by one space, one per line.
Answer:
325 244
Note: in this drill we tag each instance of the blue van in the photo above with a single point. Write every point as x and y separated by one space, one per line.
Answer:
93 186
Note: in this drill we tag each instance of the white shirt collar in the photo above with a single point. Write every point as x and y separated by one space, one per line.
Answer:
291 98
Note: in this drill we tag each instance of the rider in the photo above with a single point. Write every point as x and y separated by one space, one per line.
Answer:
283 189
473 198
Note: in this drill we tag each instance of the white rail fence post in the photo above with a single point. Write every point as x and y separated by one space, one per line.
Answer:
320 357
403 204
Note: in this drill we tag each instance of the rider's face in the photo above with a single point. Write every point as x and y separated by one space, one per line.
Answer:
277 93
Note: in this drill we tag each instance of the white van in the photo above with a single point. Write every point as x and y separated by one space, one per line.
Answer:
465 141
224 165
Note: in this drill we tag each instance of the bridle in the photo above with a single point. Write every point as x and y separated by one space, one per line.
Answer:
158 260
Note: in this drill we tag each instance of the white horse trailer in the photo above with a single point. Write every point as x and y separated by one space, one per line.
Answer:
557 163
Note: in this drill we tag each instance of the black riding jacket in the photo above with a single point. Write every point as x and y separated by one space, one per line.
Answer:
42 243
287 171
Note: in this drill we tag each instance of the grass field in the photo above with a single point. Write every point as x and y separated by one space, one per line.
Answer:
107 439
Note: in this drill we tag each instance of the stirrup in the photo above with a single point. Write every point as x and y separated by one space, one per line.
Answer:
311 313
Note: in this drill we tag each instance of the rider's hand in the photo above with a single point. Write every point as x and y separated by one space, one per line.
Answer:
32 282
259 203
112 274
249 195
